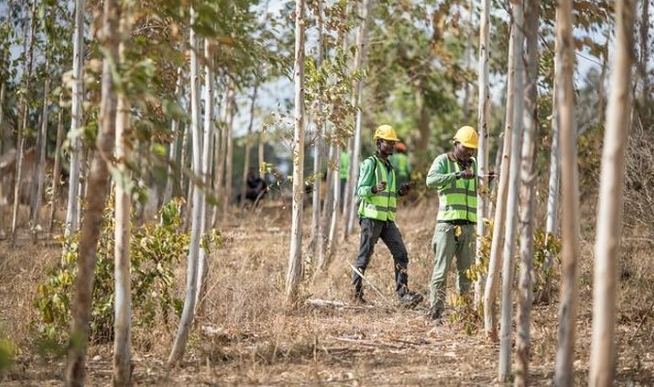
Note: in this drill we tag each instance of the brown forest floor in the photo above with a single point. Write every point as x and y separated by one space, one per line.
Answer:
246 337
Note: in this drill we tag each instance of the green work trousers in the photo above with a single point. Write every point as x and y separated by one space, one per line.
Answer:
447 243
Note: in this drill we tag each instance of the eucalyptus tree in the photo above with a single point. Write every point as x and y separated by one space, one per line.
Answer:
563 374
96 200
295 267
482 127
527 193
77 121
611 202
506 338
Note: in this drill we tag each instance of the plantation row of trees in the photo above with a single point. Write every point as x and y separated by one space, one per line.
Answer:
145 95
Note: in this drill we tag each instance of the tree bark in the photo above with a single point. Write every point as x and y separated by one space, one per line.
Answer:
56 171
490 291
528 179
203 262
316 223
512 198
77 121
186 320
248 144
563 374
644 55
359 63
551 224
482 152
229 156
95 201
295 267
39 171
611 202
123 297
171 177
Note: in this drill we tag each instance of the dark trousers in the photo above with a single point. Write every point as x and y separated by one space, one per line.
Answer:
371 231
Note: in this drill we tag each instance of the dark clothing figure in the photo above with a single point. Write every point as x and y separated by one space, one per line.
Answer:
255 187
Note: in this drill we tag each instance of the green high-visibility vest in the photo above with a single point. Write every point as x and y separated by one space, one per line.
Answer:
400 163
458 200
382 205
344 166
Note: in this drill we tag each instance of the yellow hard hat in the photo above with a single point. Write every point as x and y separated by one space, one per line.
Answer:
467 136
385 132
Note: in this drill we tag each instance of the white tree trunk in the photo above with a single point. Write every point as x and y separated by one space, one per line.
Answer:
611 202
123 297
563 374
229 156
77 121
95 202
39 173
512 198
203 263
2 117
359 63
192 265
482 126
295 269
490 291
528 179
174 146
551 224
56 171
316 221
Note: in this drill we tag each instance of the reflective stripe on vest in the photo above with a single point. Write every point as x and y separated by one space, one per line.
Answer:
458 200
382 205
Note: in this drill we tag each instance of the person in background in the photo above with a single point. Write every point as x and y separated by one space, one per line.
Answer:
454 175
400 162
377 191
343 171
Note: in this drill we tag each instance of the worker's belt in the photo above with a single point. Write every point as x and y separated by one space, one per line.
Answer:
457 222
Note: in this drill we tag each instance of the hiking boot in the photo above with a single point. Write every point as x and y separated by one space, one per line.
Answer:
435 313
359 300
410 299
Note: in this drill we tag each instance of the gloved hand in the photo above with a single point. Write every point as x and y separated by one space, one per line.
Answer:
466 174
379 187
404 189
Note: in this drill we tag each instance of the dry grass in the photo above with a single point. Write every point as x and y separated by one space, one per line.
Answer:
246 335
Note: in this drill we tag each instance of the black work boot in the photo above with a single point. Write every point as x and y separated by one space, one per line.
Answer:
435 313
410 299
358 298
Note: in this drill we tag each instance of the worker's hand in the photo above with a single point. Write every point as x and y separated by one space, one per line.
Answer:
491 176
379 187
404 189
466 174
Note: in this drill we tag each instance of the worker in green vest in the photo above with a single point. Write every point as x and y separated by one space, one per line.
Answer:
454 175
401 165
343 171
377 191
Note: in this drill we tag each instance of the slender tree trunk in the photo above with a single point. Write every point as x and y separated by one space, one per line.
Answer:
204 259
186 319
551 223
77 121
359 63
260 150
563 375
611 202
328 206
171 177
39 173
349 184
316 224
329 248
20 140
512 198
2 117
482 152
467 57
248 145
122 371
295 268
644 55
56 171
528 177
490 291
96 201
229 157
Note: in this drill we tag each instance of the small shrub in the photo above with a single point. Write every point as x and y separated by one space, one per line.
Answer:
155 250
